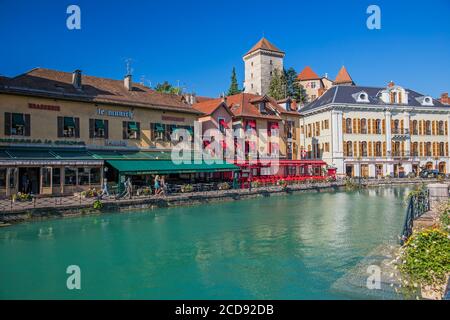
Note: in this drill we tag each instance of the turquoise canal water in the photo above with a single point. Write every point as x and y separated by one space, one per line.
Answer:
281 247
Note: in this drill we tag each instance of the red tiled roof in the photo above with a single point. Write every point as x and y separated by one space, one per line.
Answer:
201 99
307 74
264 44
343 77
209 106
58 84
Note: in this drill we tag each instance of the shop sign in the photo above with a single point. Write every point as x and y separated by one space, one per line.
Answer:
115 113
174 119
115 143
44 141
43 107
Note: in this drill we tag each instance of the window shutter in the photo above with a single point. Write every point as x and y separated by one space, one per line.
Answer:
433 128
446 127
344 128
345 148
7 123
402 127
355 150
91 128
421 149
392 126
77 127
370 148
384 149
124 129
403 148
446 149
106 123
384 126
60 127
138 134
410 127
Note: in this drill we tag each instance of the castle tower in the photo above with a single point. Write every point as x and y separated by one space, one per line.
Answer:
260 64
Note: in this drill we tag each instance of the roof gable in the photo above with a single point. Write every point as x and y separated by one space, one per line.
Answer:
343 77
308 74
264 44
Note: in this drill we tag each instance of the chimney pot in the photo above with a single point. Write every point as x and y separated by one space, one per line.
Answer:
391 84
127 82
444 98
76 79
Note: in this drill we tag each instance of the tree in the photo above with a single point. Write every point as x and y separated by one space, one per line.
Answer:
166 87
277 88
293 87
234 88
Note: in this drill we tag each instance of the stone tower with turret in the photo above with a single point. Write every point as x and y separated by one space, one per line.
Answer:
260 64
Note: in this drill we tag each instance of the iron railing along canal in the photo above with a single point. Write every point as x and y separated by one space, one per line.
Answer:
418 204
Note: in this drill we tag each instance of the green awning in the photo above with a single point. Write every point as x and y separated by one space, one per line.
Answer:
69 122
99 124
132 126
166 167
17 119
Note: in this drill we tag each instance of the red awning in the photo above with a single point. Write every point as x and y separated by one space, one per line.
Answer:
274 125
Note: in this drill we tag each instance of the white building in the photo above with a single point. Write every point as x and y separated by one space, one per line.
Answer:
373 132
260 64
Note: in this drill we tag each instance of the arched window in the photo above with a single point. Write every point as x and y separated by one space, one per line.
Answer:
396 149
364 149
415 149
428 149
428 127
363 126
349 149
348 125
415 129
441 128
396 128
378 126
441 149
378 149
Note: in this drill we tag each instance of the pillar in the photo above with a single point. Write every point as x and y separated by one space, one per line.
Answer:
337 141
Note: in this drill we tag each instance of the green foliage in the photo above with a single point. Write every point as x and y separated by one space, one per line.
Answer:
223 186
277 88
425 258
166 87
234 88
187 188
293 88
98 205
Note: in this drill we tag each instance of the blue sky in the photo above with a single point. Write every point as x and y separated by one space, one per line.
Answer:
199 42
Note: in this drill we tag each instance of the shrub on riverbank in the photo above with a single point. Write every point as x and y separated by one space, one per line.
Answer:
425 259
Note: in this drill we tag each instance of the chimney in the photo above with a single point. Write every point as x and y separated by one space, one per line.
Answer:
76 79
391 84
326 75
444 98
127 82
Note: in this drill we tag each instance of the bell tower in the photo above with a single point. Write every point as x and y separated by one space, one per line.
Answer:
260 64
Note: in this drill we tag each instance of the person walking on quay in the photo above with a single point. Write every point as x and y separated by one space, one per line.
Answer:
163 186
128 193
157 185
104 189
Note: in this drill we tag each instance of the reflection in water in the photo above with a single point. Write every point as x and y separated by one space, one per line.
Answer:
290 247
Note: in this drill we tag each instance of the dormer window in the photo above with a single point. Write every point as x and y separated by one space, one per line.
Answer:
262 107
425 100
361 97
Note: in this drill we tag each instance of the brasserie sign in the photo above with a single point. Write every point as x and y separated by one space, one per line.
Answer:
42 141
115 113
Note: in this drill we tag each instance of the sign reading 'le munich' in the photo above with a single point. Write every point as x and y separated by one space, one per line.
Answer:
115 113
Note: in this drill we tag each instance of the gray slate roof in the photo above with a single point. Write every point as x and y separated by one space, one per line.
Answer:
343 95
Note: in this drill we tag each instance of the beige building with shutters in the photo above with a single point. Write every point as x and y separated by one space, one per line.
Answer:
374 132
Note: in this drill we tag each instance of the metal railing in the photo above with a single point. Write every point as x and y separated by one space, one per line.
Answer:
418 204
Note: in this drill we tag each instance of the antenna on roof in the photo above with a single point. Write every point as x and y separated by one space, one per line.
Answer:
128 62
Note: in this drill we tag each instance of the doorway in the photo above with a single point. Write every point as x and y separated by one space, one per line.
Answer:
29 180
349 170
